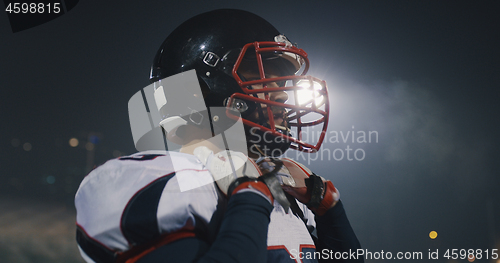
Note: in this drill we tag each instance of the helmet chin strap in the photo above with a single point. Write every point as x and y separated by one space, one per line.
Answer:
258 149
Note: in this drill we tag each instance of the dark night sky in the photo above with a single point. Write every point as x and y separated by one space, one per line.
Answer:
423 74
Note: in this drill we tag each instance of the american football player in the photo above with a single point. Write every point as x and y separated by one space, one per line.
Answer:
231 93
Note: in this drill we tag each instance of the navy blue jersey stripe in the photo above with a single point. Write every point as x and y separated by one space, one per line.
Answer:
139 222
95 250
143 157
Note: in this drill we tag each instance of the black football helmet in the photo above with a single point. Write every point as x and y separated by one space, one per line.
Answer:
218 44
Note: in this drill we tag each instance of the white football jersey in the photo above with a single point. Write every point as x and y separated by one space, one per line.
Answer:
134 199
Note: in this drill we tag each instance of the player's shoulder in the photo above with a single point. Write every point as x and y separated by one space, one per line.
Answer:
177 173
174 188
150 166
155 160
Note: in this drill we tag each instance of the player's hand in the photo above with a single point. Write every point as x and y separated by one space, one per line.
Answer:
316 192
234 171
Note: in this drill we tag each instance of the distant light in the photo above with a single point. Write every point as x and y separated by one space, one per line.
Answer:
73 142
433 234
94 139
306 95
89 146
471 258
50 179
27 146
15 142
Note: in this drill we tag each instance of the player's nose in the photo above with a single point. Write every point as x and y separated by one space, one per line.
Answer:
279 96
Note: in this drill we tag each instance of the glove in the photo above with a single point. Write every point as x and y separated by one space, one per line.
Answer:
234 171
297 180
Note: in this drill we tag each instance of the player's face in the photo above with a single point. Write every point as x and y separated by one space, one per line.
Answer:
279 113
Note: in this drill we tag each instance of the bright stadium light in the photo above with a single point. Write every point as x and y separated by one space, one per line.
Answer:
309 93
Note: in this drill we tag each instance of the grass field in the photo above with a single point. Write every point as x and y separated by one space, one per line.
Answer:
37 232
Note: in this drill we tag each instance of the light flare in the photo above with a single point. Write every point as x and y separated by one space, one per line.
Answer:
309 93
